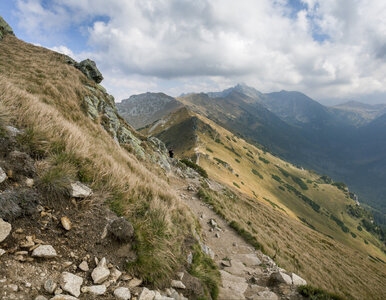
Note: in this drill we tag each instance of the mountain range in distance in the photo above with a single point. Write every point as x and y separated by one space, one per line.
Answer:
346 141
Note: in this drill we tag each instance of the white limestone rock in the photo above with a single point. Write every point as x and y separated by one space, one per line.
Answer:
79 190
5 229
101 272
297 280
71 283
44 251
122 293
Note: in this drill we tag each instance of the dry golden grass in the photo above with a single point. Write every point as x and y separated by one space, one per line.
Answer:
44 95
322 261
340 265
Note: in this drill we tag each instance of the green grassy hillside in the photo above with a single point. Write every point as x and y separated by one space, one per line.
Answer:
309 223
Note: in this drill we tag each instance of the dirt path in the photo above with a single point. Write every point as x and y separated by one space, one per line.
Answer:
245 272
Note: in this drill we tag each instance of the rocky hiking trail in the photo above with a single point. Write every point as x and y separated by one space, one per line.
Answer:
245 272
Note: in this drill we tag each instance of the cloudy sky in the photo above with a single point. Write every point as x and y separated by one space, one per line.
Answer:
332 50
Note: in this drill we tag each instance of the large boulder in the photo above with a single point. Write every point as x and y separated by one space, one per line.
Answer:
4 28
89 68
297 280
281 277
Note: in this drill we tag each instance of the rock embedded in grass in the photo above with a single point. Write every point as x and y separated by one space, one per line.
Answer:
79 190
122 230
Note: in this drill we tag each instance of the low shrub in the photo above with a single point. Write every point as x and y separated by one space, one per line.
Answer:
311 292
195 167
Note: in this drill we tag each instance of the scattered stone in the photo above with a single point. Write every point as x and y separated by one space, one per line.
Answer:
29 182
71 283
66 264
58 291
45 251
281 277
79 190
28 243
101 272
226 263
146 294
94 289
180 275
50 286
63 297
66 223
115 274
3 176
21 253
135 282
178 284
2 251
40 297
84 266
122 230
297 280
212 222
126 277
217 235
234 244
5 229
190 258
122 293
13 287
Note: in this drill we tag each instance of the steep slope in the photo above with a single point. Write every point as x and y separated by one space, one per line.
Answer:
299 130
333 235
70 128
141 110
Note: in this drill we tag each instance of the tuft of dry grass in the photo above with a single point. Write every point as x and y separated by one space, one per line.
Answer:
44 95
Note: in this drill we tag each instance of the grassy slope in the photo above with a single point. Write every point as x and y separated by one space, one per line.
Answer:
338 263
330 198
43 95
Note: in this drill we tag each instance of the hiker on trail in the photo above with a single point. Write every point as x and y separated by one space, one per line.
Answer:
171 153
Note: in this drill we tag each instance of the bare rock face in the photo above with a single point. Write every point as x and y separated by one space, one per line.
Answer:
79 190
4 28
5 229
71 283
122 230
89 68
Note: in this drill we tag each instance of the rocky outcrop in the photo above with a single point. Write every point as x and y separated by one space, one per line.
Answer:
4 28
89 68
79 190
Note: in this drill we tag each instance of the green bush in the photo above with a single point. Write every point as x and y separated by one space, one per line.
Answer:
195 167
236 185
266 161
277 178
238 161
209 150
257 173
